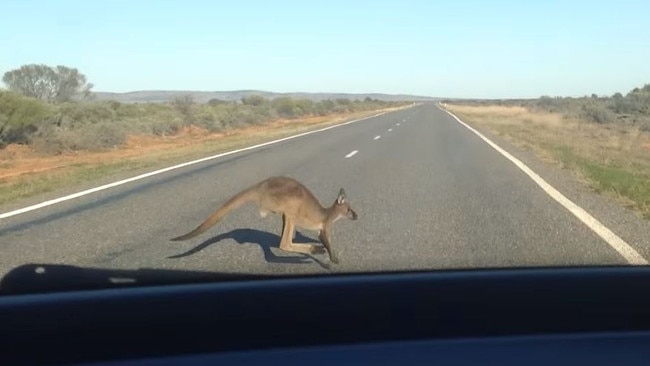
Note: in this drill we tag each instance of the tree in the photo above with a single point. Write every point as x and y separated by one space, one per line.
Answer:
52 84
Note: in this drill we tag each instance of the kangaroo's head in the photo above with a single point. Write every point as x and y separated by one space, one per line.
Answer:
342 207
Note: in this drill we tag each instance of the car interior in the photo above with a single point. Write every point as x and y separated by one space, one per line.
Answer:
65 315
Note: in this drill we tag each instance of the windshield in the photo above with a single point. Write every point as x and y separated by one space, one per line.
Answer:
178 141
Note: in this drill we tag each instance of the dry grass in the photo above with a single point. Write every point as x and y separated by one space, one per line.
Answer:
613 158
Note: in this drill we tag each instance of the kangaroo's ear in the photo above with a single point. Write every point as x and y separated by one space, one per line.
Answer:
341 198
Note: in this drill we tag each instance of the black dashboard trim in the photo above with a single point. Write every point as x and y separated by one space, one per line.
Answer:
257 314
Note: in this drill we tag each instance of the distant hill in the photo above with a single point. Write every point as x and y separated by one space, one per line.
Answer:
158 96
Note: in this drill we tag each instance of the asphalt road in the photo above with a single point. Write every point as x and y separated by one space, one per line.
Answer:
429 194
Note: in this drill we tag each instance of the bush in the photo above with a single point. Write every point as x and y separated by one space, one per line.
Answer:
328 105
285 106
165 127
340 109
597 113
83 113
185 106
304 107
209 121
633 106
95 126
55 140
623 106
20 117
215 101
253 100
247 116
344 101
320 109
114 105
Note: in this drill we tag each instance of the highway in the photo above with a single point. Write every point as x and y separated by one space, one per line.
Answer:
430 194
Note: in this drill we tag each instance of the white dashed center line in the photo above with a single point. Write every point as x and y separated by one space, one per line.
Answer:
398 124
377 137
390 129
351 154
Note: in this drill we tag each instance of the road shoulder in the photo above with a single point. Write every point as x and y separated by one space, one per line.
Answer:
623 222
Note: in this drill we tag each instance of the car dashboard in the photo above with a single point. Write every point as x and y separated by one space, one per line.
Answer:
533 316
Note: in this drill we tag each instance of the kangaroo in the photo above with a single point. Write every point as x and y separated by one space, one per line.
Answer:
298 206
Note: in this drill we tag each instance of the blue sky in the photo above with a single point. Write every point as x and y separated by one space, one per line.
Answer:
484 49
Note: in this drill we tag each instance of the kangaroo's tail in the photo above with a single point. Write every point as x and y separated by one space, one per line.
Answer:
233 203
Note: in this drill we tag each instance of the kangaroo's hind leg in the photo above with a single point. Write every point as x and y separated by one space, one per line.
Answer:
286 241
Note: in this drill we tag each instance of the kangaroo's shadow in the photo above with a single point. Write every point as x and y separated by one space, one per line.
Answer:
265 240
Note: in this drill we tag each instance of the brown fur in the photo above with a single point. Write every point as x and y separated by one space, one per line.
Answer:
295 203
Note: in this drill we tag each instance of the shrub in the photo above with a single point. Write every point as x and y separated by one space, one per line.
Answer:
208 120
253 100
84 113
285 107
185 106
215 101
52 139
94 126
20 117
598 113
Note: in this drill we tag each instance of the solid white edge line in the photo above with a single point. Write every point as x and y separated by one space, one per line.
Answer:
353 153
159 171
623 248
